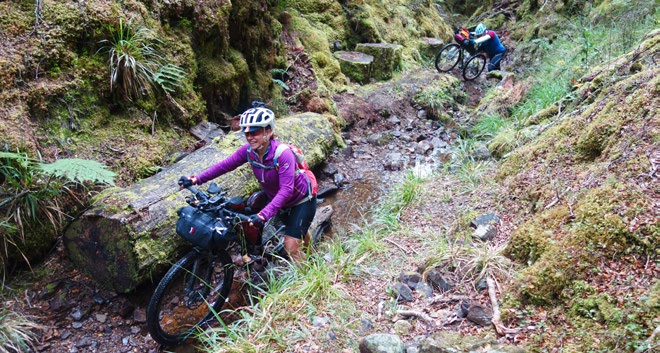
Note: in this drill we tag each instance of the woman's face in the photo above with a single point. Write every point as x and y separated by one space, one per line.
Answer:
258 139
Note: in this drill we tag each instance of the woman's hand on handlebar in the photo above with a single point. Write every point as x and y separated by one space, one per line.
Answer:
185 181
257 220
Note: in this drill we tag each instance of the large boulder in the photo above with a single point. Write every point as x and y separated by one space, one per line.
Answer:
128 233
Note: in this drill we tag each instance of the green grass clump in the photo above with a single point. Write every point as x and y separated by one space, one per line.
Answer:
388 213
18 334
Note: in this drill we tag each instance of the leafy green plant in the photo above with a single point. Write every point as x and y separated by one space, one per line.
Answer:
31 191
136 63
169 77
279 76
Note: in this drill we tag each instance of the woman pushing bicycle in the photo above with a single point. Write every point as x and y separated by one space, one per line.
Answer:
289 190
490 44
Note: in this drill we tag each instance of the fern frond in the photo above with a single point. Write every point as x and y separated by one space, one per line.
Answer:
277 72
21 158
80 170
169 77
281 84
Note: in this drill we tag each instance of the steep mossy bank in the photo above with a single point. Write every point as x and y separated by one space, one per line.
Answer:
586 186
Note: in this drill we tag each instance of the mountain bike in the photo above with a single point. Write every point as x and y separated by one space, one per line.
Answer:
195 289
453 54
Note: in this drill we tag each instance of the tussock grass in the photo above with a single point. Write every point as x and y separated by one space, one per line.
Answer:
488 125
18 333
403 194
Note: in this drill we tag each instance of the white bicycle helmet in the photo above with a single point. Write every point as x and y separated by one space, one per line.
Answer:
480 29
255 118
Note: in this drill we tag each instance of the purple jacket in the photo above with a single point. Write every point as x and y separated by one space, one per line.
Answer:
283 186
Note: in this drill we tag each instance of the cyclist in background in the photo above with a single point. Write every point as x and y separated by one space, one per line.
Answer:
490 44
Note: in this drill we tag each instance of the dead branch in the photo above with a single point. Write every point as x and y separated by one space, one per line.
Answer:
176 105
381 304
558 198
451 298
451 319
114 149
497 321
153 124
418 314
399 246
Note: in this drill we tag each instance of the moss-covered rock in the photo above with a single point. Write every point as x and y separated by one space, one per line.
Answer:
386 59
440 96
355 65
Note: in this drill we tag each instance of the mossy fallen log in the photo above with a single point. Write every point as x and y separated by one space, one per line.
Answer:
128 234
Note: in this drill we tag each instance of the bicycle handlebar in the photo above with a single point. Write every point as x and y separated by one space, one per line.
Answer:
203 200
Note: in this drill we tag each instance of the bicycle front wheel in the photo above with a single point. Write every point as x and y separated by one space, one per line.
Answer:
190 295
448 57
474 66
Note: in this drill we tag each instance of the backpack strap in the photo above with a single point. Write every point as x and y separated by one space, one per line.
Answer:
278 152
276 163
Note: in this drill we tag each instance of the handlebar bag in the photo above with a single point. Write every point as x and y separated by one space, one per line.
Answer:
200 228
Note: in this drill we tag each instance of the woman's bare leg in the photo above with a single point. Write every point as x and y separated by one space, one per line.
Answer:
294 247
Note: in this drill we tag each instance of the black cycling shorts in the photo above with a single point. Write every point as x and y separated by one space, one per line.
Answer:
297 219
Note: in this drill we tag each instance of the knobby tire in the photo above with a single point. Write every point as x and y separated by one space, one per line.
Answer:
448 57
474 67
189 296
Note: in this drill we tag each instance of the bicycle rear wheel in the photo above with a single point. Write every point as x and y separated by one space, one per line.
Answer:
189 296
448 57
474 66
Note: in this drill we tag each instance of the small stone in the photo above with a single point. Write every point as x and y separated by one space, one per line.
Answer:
410 278
485 232
402 327
437 279
76 324
318 321
332 336
425 289
77 315
489 218
101 317
402 292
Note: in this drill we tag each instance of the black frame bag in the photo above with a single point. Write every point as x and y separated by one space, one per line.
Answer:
199 228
